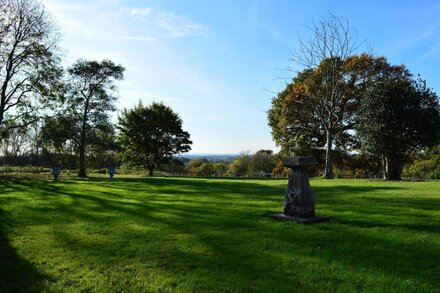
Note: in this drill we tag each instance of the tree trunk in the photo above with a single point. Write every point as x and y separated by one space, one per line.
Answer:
82 141
328 172
82 154
393 169
150 170
1 120
2 112
384 167
82 162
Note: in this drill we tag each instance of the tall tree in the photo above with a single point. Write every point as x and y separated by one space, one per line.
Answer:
332 41
90 96
151 134
28 60
318 112
397 116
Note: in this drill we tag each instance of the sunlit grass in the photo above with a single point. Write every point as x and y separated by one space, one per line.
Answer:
196 235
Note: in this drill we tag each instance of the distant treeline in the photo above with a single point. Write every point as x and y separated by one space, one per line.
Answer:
262 164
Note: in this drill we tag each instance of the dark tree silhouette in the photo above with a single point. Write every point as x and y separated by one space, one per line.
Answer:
151 134
90 96
397 116
28 61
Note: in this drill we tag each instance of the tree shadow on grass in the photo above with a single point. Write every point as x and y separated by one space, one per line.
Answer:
231 255
430 227
240 245
16 273
349 190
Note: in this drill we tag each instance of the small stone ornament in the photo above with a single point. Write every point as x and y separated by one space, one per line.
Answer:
56 171
111 170
299 202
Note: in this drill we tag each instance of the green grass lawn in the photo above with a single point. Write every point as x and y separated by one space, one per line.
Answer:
198 235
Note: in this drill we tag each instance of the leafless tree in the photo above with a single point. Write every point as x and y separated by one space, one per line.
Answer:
331 37
28 60
332 41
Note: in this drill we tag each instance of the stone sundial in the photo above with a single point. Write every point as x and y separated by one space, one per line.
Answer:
299 202
56 171
111 170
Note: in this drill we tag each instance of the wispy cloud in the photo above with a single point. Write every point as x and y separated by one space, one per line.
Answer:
140 11
169 23
409 42
138 38
431 53
161 65
178 26
143 24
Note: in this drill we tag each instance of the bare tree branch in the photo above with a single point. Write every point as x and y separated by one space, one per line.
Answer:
332 41
28 53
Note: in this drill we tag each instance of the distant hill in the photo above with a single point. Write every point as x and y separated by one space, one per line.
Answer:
208 157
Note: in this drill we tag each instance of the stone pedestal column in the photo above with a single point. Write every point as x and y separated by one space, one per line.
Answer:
56 171
299 202
111 170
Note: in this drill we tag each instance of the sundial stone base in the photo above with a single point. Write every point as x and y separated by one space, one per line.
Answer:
299 202
111 170
56 171
312 220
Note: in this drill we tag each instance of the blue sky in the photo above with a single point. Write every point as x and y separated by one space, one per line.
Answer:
219 63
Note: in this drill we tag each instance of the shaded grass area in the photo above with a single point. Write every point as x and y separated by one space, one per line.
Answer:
192 235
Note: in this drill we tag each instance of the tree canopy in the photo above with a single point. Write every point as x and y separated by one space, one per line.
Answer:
397 115
318 112
29 60
151 134
90 95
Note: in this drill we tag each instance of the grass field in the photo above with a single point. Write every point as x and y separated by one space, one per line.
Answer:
198 235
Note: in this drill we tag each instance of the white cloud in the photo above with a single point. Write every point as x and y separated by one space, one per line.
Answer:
140 11
138 38
170 23
148 42
178 26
